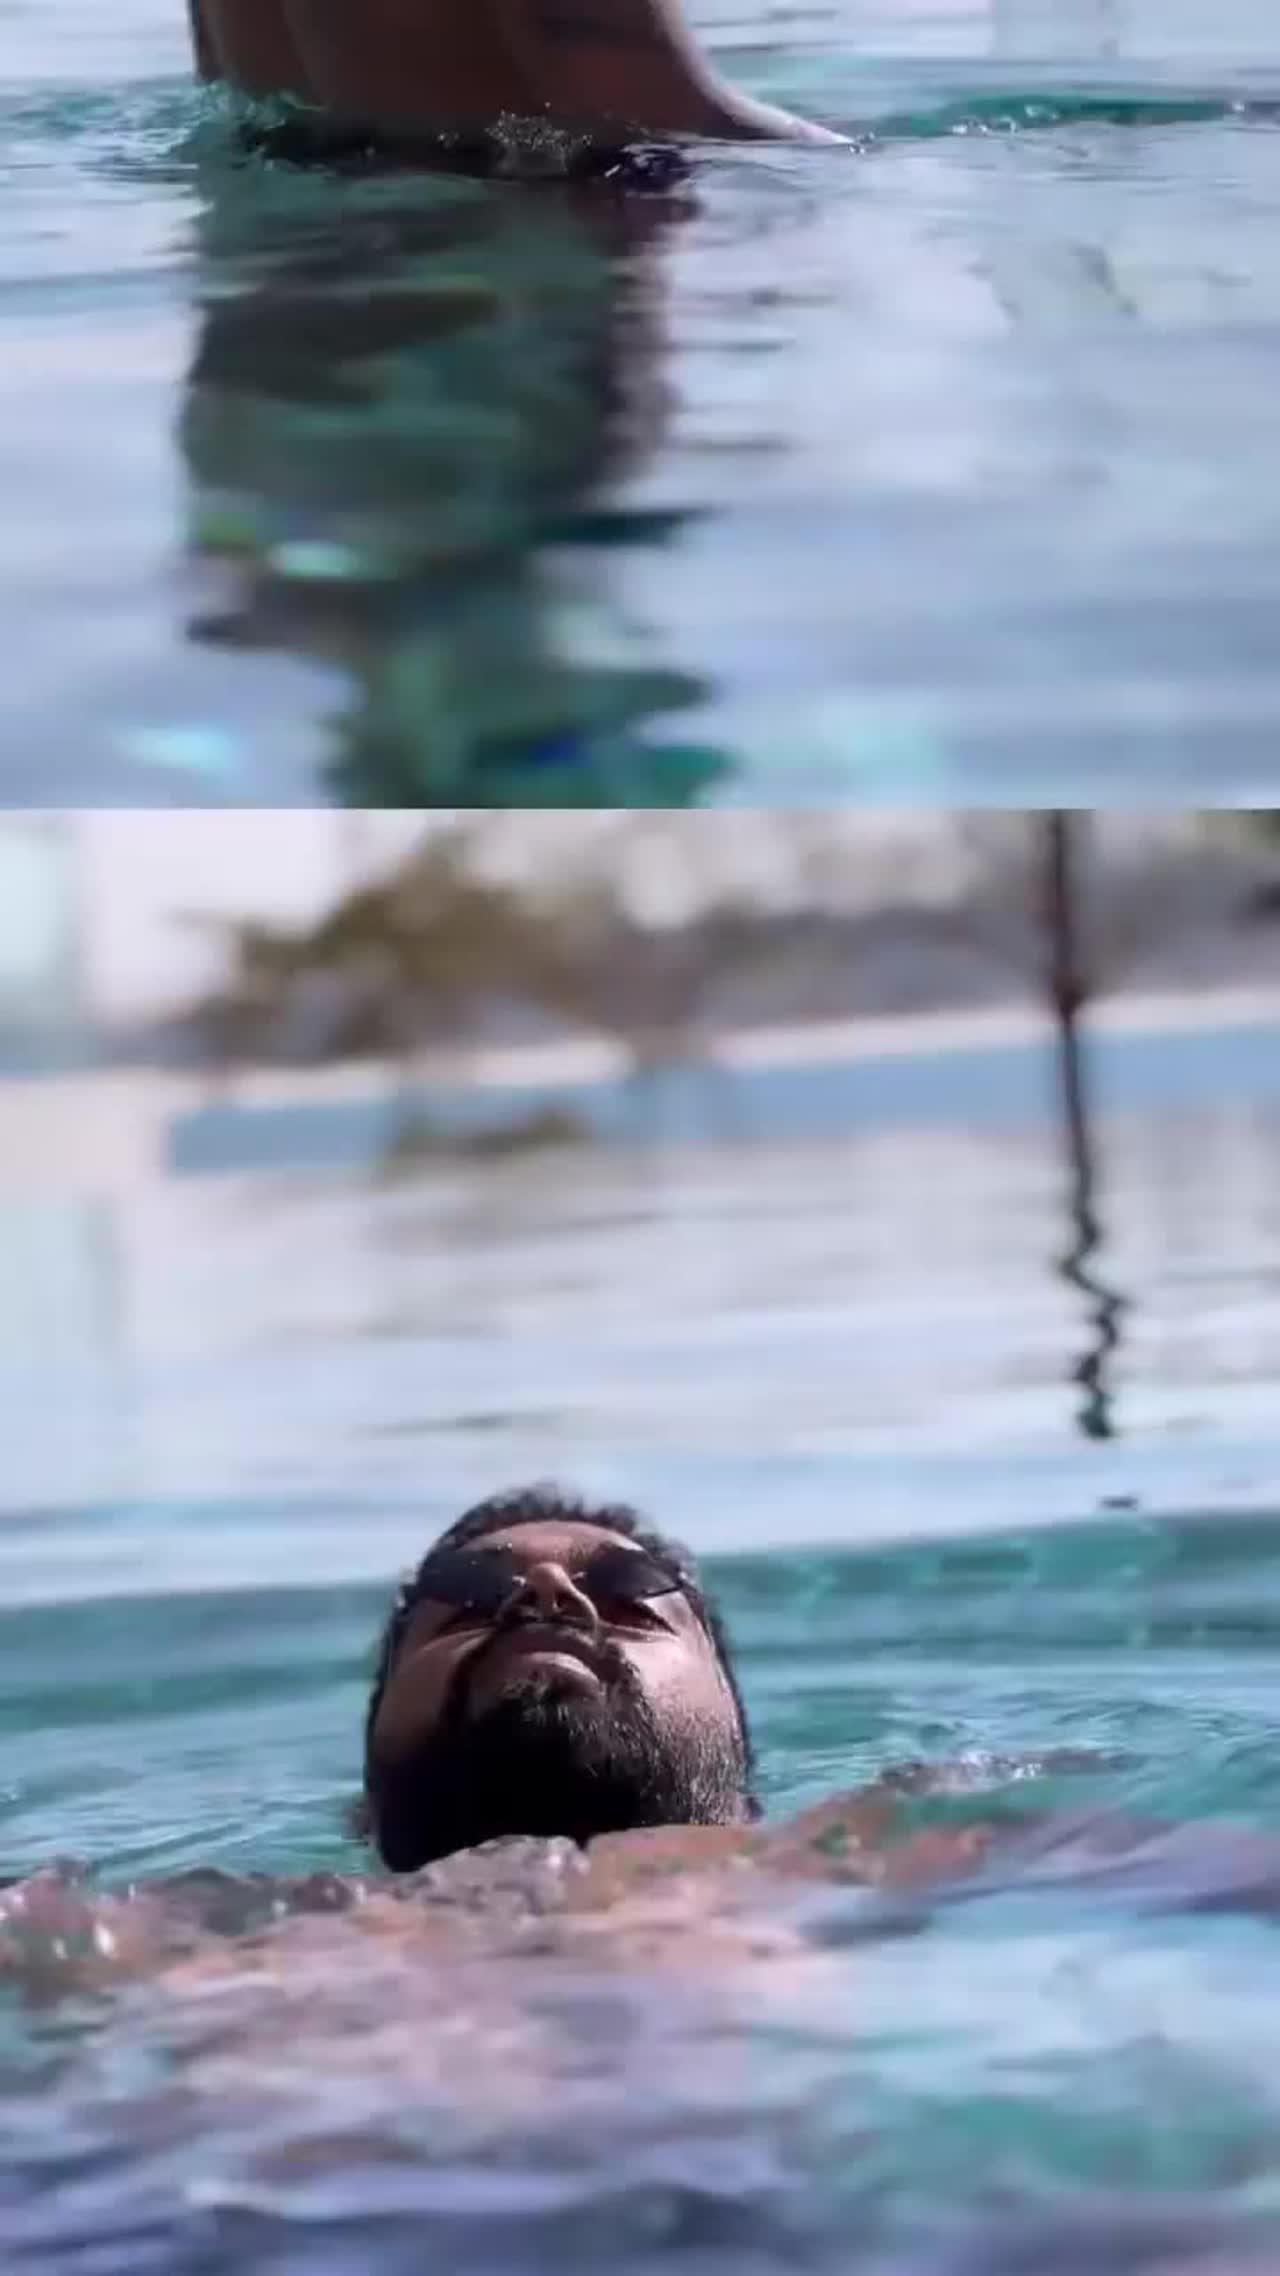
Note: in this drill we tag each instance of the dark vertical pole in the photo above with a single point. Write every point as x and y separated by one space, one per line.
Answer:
1069 991
1068 987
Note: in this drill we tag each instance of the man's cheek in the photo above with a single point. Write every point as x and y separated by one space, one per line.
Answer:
416 1695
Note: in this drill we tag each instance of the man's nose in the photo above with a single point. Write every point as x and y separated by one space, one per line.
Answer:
551 1592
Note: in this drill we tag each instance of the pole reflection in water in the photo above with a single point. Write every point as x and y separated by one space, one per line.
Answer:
408 393
1069 990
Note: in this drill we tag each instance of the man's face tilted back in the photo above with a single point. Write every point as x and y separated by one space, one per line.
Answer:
562 1679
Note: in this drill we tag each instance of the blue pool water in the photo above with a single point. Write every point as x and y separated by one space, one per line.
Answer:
849 1369
1069 2067
941 467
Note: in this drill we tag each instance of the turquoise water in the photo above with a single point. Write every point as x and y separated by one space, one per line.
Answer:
940 468
849 1369
1068 2067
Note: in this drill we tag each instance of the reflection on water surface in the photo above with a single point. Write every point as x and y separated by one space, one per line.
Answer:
938 467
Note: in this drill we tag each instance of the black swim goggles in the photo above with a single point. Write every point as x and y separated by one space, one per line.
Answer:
487 1580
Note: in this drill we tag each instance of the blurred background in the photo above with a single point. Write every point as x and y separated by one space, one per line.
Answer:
808 1176
889 1206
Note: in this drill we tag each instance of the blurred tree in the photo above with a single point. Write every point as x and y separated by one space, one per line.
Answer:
646 986
398 969
1255 830
627 934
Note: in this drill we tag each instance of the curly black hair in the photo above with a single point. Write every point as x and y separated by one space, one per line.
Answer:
548 1503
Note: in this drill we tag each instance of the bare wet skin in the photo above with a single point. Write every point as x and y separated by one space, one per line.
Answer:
523 2001
358 2047
680 1899
731 1892
392 1977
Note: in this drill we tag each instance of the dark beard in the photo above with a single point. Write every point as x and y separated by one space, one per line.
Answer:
546 1762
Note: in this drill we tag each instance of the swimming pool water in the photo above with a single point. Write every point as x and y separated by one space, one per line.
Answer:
1074 2069
847 1369
938 468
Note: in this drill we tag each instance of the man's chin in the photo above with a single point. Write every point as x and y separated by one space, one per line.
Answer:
544 1757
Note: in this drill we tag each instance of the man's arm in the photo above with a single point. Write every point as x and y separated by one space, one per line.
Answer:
248 42
635 64
614 66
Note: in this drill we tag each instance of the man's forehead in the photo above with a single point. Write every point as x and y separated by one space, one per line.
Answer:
553 1539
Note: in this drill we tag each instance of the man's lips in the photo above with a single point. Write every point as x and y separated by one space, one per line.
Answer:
534 1640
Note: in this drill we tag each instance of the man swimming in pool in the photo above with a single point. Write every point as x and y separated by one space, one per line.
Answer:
554 1670
612 69
551 1668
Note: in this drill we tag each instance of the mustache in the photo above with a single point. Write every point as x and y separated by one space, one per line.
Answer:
599 1653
